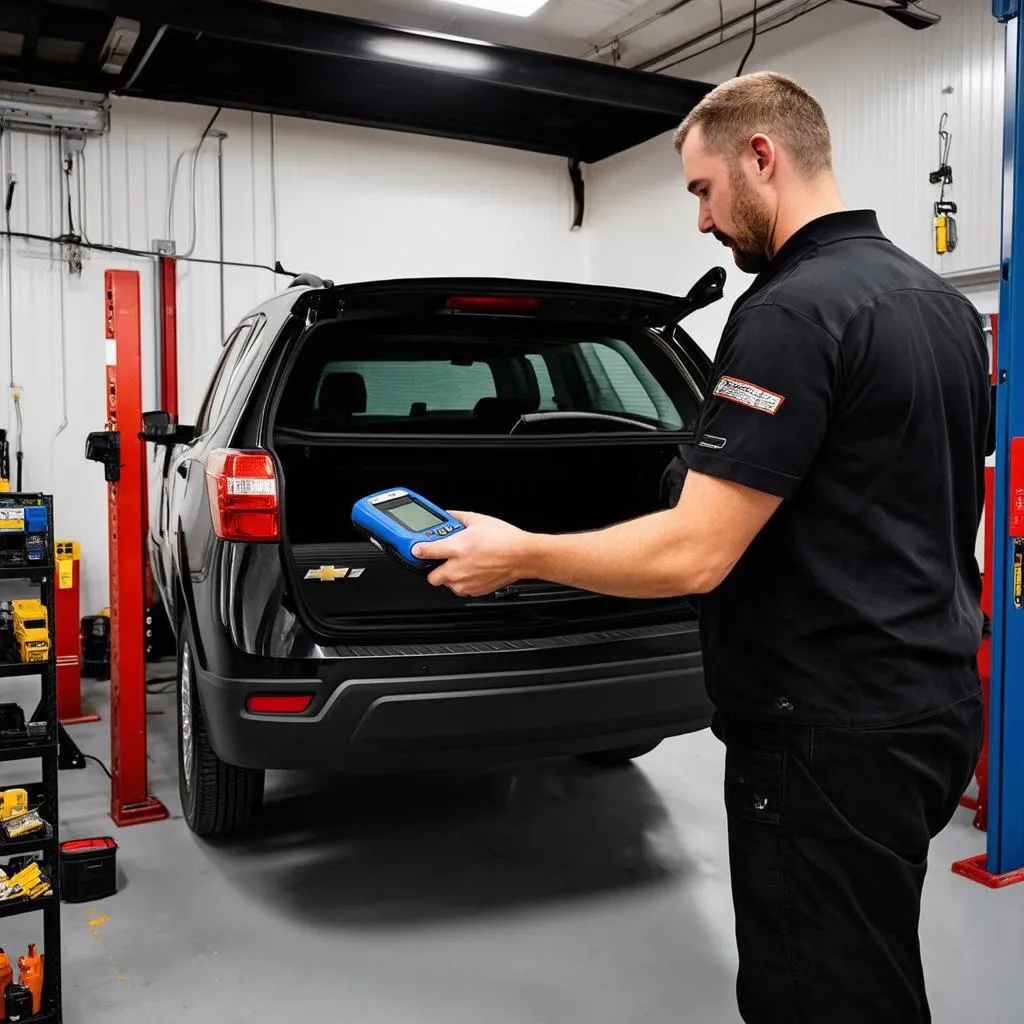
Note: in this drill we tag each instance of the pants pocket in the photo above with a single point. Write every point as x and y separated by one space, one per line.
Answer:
754 784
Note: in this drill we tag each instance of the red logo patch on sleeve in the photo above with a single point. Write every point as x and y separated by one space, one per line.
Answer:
744 393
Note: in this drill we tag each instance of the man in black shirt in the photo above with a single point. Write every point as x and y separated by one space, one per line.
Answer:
829 519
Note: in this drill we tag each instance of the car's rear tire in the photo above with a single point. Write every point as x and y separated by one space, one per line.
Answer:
216 798
620 755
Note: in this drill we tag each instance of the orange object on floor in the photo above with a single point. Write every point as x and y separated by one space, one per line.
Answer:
31 968
6 977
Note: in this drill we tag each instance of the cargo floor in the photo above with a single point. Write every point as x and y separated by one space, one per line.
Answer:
558 895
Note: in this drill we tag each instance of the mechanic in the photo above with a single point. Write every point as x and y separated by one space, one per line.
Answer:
828 519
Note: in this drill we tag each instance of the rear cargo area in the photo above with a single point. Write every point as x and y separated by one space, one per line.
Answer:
539 486
552 488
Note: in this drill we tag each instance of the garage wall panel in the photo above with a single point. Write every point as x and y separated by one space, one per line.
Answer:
351 204
884 89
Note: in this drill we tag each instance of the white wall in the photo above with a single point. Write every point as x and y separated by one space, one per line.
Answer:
352 204
882 88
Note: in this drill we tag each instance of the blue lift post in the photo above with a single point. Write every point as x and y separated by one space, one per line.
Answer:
1003 863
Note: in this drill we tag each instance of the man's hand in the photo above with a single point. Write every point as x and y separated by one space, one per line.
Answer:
681 551
479 560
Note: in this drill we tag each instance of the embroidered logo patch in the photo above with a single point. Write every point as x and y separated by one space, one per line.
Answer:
745 393
713 442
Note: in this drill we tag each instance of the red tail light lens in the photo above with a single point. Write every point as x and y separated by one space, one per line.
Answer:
290 704
495 304
242 488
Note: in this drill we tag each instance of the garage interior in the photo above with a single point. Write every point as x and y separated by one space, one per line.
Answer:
215 156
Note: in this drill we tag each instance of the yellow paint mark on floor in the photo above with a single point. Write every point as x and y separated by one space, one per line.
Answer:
98 922
95 924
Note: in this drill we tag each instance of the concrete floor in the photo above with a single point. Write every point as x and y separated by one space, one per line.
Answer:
560 894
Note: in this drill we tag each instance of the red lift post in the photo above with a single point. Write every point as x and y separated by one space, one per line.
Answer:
130 803
167 271
169 334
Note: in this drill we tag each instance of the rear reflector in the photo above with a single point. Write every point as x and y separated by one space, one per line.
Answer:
492 304
291 704
242 488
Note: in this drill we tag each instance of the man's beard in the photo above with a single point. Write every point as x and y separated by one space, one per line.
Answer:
752 246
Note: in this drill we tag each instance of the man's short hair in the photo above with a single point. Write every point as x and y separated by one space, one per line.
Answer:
768 103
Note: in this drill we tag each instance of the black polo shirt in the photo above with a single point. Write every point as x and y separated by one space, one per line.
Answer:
852 382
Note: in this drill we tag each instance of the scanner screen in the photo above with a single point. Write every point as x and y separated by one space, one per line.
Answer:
412 515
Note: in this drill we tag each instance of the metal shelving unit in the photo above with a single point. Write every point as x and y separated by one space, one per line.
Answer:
44 845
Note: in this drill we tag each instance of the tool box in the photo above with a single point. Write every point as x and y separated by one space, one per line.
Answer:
24 530
88 869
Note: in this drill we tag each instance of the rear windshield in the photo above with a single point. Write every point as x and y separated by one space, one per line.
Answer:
464 379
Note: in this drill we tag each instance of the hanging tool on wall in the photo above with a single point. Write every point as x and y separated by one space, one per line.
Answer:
579 192
5 462
19 454
945 210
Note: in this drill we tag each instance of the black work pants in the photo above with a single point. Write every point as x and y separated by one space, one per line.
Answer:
829 831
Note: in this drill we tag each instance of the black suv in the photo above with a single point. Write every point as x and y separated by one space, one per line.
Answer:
558 407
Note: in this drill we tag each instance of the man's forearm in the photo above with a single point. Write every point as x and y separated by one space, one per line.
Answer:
688 549
655 556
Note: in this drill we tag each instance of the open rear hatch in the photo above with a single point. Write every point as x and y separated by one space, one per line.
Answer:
555 424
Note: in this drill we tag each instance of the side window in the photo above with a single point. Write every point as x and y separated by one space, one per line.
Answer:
625 385
220 385
203 419
247 350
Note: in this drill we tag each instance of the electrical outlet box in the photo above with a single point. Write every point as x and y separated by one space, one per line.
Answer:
74 141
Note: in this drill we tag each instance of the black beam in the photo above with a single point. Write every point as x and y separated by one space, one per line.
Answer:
54 76
263 57
258 56
310 32
28 49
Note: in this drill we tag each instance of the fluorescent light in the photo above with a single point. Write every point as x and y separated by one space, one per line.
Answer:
436 54
519 8
88 117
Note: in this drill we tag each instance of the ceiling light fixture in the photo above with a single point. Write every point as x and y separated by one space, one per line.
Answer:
518 8
52 112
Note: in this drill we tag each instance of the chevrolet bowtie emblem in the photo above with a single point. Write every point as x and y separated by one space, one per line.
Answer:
326 573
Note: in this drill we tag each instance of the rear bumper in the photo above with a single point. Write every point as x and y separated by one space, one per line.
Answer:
437 721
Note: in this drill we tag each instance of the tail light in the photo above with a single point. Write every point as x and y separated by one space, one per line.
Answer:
492 304
242 488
